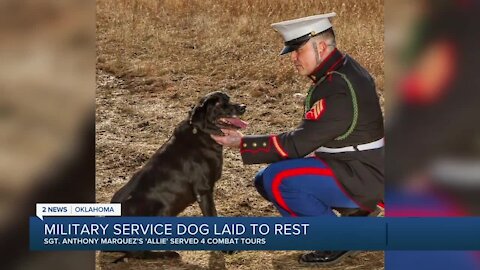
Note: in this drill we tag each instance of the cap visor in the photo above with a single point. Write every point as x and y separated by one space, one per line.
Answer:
294 44
288 49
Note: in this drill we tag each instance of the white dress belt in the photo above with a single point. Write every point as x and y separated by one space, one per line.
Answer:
361 147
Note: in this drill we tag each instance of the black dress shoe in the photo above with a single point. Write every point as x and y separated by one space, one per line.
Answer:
325 257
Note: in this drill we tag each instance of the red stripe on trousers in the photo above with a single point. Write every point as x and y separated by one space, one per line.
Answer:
291 173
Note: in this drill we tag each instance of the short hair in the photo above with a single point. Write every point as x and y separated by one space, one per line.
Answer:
329 36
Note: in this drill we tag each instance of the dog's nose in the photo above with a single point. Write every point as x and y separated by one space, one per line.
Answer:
242 108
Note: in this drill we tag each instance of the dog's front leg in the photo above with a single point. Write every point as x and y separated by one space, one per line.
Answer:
207 205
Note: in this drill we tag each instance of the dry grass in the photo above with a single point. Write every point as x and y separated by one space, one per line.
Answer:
156 58
224 39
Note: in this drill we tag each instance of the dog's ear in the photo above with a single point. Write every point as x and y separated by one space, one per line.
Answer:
190 113
197 114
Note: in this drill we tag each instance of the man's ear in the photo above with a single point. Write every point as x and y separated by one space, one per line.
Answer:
322 48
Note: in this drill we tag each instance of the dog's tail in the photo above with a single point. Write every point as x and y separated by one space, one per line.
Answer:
122 194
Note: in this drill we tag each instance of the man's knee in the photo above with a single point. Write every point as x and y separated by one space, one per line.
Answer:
265 178
268 177
259 183
268 174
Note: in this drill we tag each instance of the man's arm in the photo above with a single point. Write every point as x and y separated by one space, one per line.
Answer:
328 118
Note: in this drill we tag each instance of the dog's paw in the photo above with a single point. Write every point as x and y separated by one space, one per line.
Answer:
169 255
230 252
121 259
155 255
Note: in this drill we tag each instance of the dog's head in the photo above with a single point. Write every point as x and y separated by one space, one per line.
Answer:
215 112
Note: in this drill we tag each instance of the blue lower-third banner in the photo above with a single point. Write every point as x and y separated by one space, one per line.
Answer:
195 233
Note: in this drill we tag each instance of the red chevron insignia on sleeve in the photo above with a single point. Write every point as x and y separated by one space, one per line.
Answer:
316 111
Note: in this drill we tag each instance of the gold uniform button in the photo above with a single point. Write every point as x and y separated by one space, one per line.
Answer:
254 144
264 144
244 145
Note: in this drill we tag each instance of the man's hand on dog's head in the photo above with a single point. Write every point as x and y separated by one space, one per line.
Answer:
232 138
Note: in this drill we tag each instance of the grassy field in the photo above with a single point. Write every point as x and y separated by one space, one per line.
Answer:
156 58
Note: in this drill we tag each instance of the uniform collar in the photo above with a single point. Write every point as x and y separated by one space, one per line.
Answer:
331 62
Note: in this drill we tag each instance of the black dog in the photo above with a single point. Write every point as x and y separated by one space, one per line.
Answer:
185 168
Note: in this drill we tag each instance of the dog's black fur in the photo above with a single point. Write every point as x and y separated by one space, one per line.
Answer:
185 168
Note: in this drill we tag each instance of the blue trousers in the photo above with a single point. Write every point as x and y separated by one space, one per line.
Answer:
302 187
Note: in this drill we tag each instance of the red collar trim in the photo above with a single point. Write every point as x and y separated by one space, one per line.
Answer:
329 64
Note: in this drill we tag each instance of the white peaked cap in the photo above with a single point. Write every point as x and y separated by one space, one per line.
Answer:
303 27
